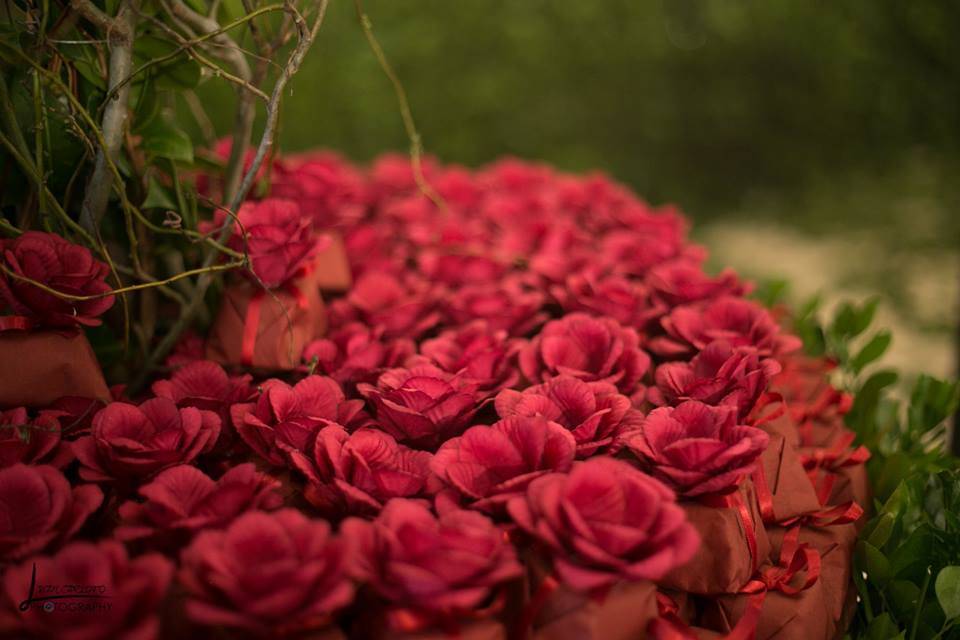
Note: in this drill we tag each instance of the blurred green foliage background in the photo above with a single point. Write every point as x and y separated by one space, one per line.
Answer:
835 124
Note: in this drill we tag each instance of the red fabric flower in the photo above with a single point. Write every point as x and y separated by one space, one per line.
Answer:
32 440
805 386
422 406
626 301
475 351
508 306
190 348
742 323
132 591
183 500
649 239
594 412
605 521
718 375
268 573
489 465
66 267
442 566
285 417
683 281
329 190
399 308
591 349
356 353
357 473
698 449
38 509
131 442
75 414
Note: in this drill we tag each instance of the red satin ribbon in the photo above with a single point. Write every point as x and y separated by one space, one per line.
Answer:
829 516
669 625
757 417
251 320
15 323
734 500
841 454
410 620
530 612
764 495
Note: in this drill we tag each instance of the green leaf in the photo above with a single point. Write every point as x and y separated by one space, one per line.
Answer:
882 530
164 140
948 591
157 197
904 597
871 351
771 292
180 72
882 627
875 563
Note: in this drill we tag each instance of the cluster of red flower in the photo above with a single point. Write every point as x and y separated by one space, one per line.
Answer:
532 414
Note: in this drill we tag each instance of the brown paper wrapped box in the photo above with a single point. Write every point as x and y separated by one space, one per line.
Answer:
280 337
332 269
787 481
621 614
475 630
835 544
37 367
723 563
804 616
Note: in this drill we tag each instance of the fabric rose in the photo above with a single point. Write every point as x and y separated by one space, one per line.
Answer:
356 353
75 414
32 440
422 406
132 591
489 465
276 235
683 281
38 509
480 354
604 522
740 322
508 306
626 301
190 348
267 573
183 500
285 417
595 413
66 267
357 473
329 190
718 375
397 307
205 385
131 442
697 449
591 349
439 567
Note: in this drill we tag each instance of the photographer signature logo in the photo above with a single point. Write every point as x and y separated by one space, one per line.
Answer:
73 598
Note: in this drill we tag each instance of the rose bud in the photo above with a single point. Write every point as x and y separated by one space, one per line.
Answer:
626 301
66 267
39 509
357 473
443 568
398 307
285 417
489 465
742 323
117 597
356 353
718 375
183 500
506 306
595 413
591 349
131 442
683 281
32 440
697 449
422 406
269 574
604 522
475 351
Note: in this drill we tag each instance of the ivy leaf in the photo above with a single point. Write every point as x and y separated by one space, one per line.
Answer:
157 197
164 140
948 591
871 351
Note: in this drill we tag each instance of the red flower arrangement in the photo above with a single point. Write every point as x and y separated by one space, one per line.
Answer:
534 387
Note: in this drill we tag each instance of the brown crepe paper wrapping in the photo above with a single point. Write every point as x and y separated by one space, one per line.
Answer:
281 336
37 367
723 563
804 616
489 629
835 544
332 269
621 614
792 491
849 483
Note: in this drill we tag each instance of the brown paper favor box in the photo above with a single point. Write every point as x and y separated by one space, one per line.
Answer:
475 630
791 490
280 337
37 367
804 616
332 269
621 614
723 563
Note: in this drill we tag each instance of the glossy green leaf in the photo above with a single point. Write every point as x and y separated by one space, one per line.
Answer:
948 591
874 562
872 351
157 197
164 140
881 530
